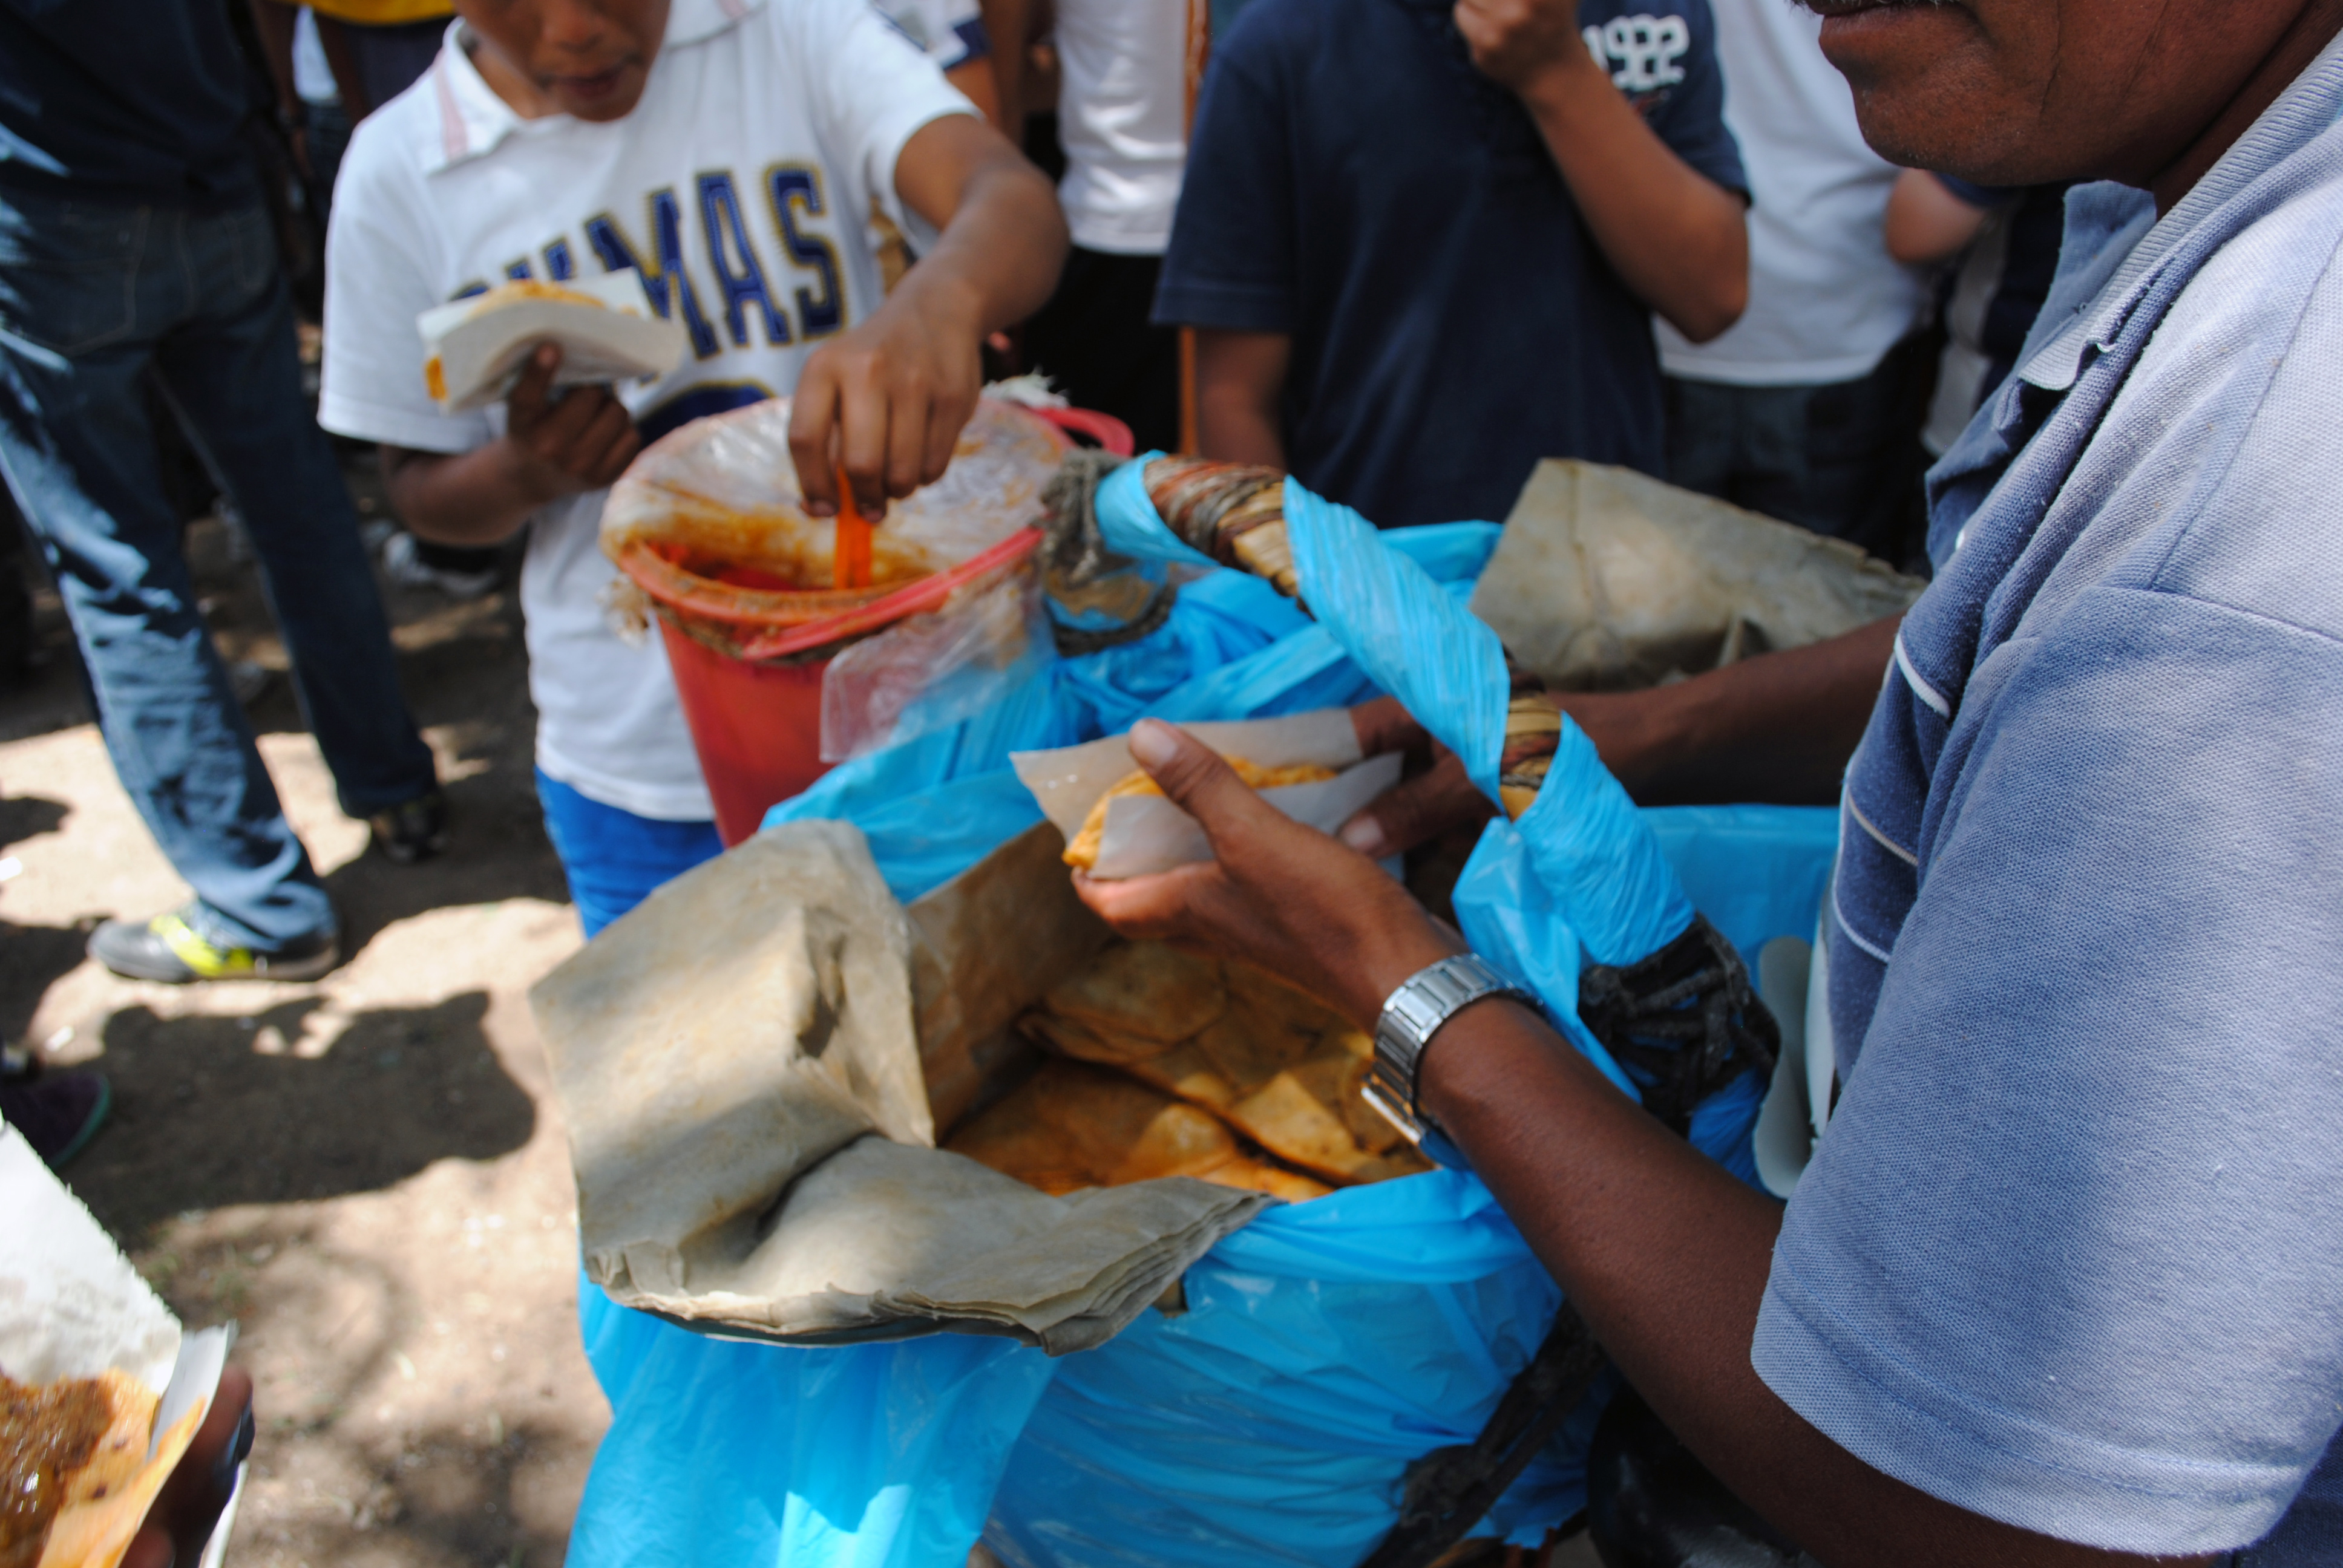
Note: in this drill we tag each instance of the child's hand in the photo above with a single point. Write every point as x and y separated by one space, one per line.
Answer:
888 399
581 438
1520 42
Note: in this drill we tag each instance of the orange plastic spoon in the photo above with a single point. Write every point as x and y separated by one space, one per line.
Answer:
850 557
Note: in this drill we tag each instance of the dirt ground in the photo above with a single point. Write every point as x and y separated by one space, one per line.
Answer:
367 1174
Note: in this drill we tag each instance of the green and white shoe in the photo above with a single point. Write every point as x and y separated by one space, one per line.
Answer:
170 949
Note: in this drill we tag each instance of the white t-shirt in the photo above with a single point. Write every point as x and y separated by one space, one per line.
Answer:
772 123
1123 118
1826 300
951 32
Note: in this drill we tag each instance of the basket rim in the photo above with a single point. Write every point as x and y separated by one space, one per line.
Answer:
881 607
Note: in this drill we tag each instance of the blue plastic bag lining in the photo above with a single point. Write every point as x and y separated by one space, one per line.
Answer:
1442 661
1324 1347
1598 861
1127 521
1327 1345
722 1453
1271 1421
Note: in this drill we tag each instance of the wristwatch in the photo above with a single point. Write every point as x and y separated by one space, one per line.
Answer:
1412 1015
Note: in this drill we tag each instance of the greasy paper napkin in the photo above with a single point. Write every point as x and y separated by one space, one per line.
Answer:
1607 579
737 1066
480 346
1146 833
71 1306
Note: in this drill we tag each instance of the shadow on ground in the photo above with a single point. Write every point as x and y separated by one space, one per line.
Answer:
496 850
23 817
361 1457
32 959
276 1092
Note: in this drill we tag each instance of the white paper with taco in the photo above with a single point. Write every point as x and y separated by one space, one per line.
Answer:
100 1390
474 349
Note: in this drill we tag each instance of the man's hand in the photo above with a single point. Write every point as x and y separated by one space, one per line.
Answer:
1277 894
189 1505
1524 43
1439 800
567 441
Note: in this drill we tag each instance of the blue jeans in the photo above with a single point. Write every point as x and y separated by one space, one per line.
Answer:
94 298
613 858
1842 458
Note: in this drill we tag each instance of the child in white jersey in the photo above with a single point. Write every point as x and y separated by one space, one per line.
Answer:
730 151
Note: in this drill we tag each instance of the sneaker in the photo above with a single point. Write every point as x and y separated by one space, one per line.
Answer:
413 829
168 948
407 570
57 1113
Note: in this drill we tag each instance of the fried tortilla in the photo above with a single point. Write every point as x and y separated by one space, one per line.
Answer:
1263 1176
1185 1071
1276 1065
521 289
75 1479
1269 1027
1083 852
1143 991
1074 1125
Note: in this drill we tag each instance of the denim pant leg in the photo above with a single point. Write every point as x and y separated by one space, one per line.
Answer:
1704 435
1744 445
1841 457
85 290
232 372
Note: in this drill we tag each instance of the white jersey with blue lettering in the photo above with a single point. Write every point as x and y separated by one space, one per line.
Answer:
740 187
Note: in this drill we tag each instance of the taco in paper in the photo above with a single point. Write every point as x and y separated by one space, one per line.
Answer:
100 1392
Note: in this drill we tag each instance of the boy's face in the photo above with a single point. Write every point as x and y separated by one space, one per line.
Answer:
587 58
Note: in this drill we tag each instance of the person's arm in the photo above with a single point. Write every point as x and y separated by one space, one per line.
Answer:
275 21
1778 727
1011 26
1926 222
888 397
1240 381
1677 237
979 86
1663 1253
554 444
342 59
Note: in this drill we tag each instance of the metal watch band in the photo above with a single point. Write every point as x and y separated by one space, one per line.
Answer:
1412 1015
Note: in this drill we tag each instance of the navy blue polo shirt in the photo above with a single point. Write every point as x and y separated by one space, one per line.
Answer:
1355 183
123 100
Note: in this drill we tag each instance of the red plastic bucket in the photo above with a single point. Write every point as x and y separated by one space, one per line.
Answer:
757 727
754 704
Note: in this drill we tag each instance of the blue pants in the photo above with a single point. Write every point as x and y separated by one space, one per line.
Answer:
614 858
1842 458
94 299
